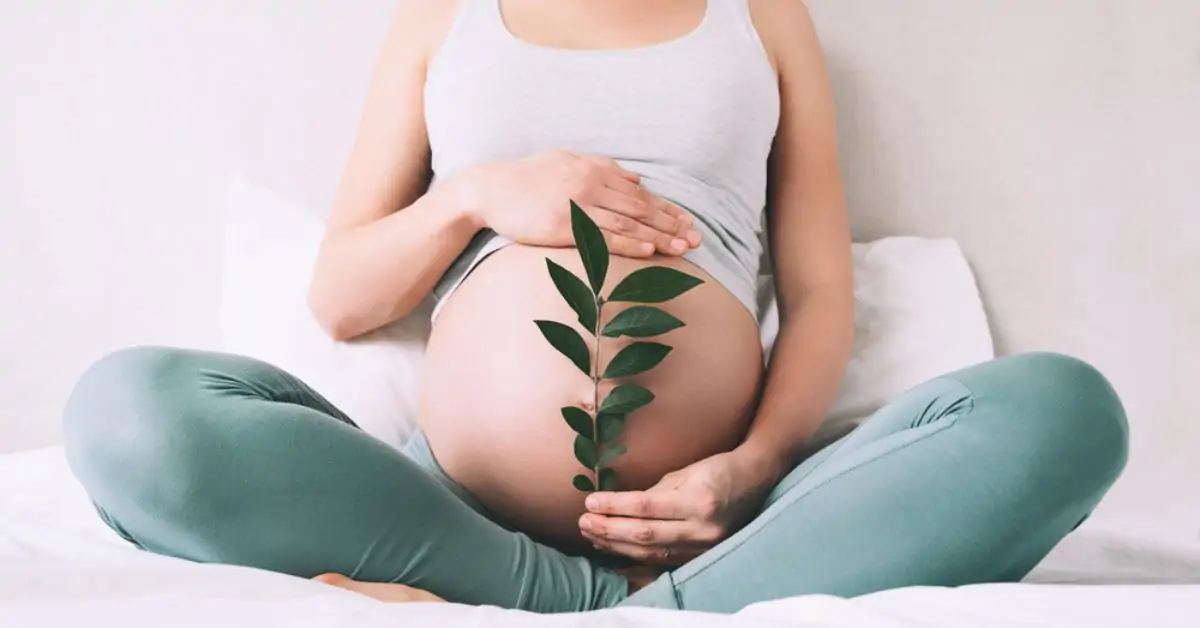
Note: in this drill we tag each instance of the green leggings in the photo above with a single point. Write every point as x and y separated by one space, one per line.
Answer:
972 477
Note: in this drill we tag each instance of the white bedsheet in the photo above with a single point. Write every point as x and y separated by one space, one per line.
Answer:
60 566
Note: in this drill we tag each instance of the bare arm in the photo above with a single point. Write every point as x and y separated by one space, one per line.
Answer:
810 244
390 240
387 241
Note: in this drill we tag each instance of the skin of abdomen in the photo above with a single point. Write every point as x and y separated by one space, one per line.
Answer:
492 389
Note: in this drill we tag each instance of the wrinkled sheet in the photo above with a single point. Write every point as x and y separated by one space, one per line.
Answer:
60 566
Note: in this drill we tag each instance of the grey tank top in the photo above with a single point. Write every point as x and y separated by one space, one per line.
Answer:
694 116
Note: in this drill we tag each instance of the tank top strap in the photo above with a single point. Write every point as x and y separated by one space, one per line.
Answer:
733 17
730 10
478 21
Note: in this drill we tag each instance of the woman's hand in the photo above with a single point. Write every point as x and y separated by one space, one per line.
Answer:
685 514
528 201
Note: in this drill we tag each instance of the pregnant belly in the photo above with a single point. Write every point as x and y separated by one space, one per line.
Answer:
492 389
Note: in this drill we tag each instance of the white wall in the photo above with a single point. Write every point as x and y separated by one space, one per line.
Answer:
1056 139
119 123
1059 142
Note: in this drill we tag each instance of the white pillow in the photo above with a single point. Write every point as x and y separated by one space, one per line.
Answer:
917 315
270 248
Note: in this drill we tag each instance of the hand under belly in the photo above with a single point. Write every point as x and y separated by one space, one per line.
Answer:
493 387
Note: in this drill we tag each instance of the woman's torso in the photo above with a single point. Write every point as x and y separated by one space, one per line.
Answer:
695 116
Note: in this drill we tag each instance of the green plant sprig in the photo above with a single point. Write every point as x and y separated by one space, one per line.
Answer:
596 432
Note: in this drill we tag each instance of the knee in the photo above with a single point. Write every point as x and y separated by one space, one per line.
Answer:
125 422
1072 412
117 393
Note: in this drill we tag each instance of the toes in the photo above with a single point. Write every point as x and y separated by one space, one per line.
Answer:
382 591
335 579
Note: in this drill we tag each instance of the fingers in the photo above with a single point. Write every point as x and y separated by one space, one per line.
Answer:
611 164
647 209
667 556
660 555
647 201
626 246
660 504
639 203
620 224
620 194
649 532
623 235
650 541
623 186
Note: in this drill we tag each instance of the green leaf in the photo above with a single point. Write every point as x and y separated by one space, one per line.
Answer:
579 421
641 321
638 357
585 452
625 398
592 249
583 483
608 480
610 453
609 426
568 342
575 293
654 284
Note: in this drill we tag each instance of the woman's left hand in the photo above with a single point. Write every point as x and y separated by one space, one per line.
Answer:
685 514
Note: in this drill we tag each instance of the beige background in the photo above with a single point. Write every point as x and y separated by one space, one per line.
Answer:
1058 140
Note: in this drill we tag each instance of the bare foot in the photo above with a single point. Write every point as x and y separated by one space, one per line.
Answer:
382 591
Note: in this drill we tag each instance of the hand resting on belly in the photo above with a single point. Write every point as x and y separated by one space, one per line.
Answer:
492 389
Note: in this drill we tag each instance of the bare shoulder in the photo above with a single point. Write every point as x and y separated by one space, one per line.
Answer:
786 29
422 25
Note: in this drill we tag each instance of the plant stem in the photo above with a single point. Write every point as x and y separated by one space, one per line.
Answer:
596 390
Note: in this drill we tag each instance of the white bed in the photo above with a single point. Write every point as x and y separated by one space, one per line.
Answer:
60 566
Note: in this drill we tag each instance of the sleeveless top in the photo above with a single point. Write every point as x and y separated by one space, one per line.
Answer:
694 116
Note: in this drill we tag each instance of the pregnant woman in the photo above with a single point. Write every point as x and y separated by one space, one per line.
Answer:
677 125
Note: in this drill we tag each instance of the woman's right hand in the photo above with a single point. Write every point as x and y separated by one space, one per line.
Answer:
528 201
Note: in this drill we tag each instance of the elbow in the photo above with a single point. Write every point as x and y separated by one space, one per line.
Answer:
328 301
338 317
346 306
335 321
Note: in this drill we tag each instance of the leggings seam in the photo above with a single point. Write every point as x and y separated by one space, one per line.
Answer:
678 597
949 422
833 449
